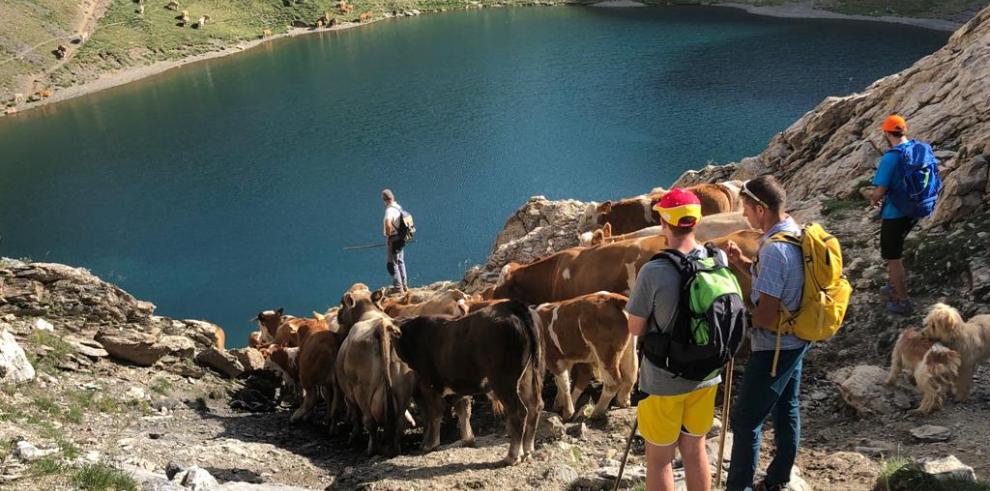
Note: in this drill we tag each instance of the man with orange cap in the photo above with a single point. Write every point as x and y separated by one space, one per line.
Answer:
677 412
895 224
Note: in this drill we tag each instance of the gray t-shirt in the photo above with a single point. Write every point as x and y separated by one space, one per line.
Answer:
657 293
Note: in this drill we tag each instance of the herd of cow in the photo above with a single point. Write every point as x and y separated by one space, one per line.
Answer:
373 355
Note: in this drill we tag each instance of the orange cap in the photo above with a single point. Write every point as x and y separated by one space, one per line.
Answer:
894 124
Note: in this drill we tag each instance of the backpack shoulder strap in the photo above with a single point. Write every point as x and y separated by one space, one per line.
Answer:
787 238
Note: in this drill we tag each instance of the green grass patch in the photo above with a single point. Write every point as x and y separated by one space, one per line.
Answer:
905 475
840 207
47 466
108 404
161 386
103 477
47 362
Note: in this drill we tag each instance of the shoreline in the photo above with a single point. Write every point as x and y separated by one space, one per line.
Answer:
806 10
803 10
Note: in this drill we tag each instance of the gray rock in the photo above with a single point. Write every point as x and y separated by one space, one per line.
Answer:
198 479
220 361
948 467
539 227
28 452
244 486
876 448
180 347
14 365
132 345
250 358
42 325
712 445
561 473
862 388
577 430
86 347
549 427
931 433
631 475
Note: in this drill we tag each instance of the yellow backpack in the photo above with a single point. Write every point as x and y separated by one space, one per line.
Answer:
826 291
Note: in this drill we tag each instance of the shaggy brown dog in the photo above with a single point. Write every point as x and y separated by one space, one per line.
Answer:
934 367
970 339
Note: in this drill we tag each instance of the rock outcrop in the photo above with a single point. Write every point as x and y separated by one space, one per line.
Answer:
834 148
538 228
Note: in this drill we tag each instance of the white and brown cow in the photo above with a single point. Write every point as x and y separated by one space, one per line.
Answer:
375 384
450 302
608 267
590 329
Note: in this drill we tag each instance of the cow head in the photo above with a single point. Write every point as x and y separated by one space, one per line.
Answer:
588 218
504 287
268 321
355 306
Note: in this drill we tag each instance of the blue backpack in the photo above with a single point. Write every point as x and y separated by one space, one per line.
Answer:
916 186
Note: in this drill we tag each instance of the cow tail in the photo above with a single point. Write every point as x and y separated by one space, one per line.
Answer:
385 340
536 360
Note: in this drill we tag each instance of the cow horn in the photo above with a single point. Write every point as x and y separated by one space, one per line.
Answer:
318 316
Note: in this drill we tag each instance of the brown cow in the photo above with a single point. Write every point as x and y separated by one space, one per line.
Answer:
607 267
375 384
319 342
268 322
494 351
365 16
587 329
450 302
625 215
711 227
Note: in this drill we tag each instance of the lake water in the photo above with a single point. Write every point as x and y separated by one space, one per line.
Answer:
232 186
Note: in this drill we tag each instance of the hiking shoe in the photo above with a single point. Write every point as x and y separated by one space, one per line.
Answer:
887 289
904 307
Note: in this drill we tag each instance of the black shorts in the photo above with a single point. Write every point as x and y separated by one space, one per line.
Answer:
893 231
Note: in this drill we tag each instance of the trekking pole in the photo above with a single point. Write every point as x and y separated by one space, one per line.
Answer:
726 403
367 246
625 455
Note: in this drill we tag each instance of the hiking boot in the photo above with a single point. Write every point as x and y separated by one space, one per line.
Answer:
903 307
763 486
887 289
394 290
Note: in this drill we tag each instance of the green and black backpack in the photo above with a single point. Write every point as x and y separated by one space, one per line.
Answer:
709 323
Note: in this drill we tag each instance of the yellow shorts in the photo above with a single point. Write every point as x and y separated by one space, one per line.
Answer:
662 419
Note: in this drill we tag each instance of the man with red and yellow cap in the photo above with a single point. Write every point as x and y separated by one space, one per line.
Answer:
677 412
895 225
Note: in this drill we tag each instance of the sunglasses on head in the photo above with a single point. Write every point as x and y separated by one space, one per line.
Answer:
750 194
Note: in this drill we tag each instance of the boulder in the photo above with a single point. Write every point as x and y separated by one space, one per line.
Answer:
947 468
862 388
204 334
221 361
86 347
28 452
132 345
178 346
14 365
198 479
42 325
931 433
250 358
549 427
539 227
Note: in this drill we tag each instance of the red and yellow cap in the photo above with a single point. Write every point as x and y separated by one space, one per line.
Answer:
894 124
679 207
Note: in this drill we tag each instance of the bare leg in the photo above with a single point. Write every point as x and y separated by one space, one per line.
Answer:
898 278
695 456
659 471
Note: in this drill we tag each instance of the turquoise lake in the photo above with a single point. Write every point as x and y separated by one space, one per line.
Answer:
232 186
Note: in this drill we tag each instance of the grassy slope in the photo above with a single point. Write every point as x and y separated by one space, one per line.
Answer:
28 23
124 38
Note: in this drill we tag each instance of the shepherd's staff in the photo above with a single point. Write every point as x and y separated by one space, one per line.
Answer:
726 403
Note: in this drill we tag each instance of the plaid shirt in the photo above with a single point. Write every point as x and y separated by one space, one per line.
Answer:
780 274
